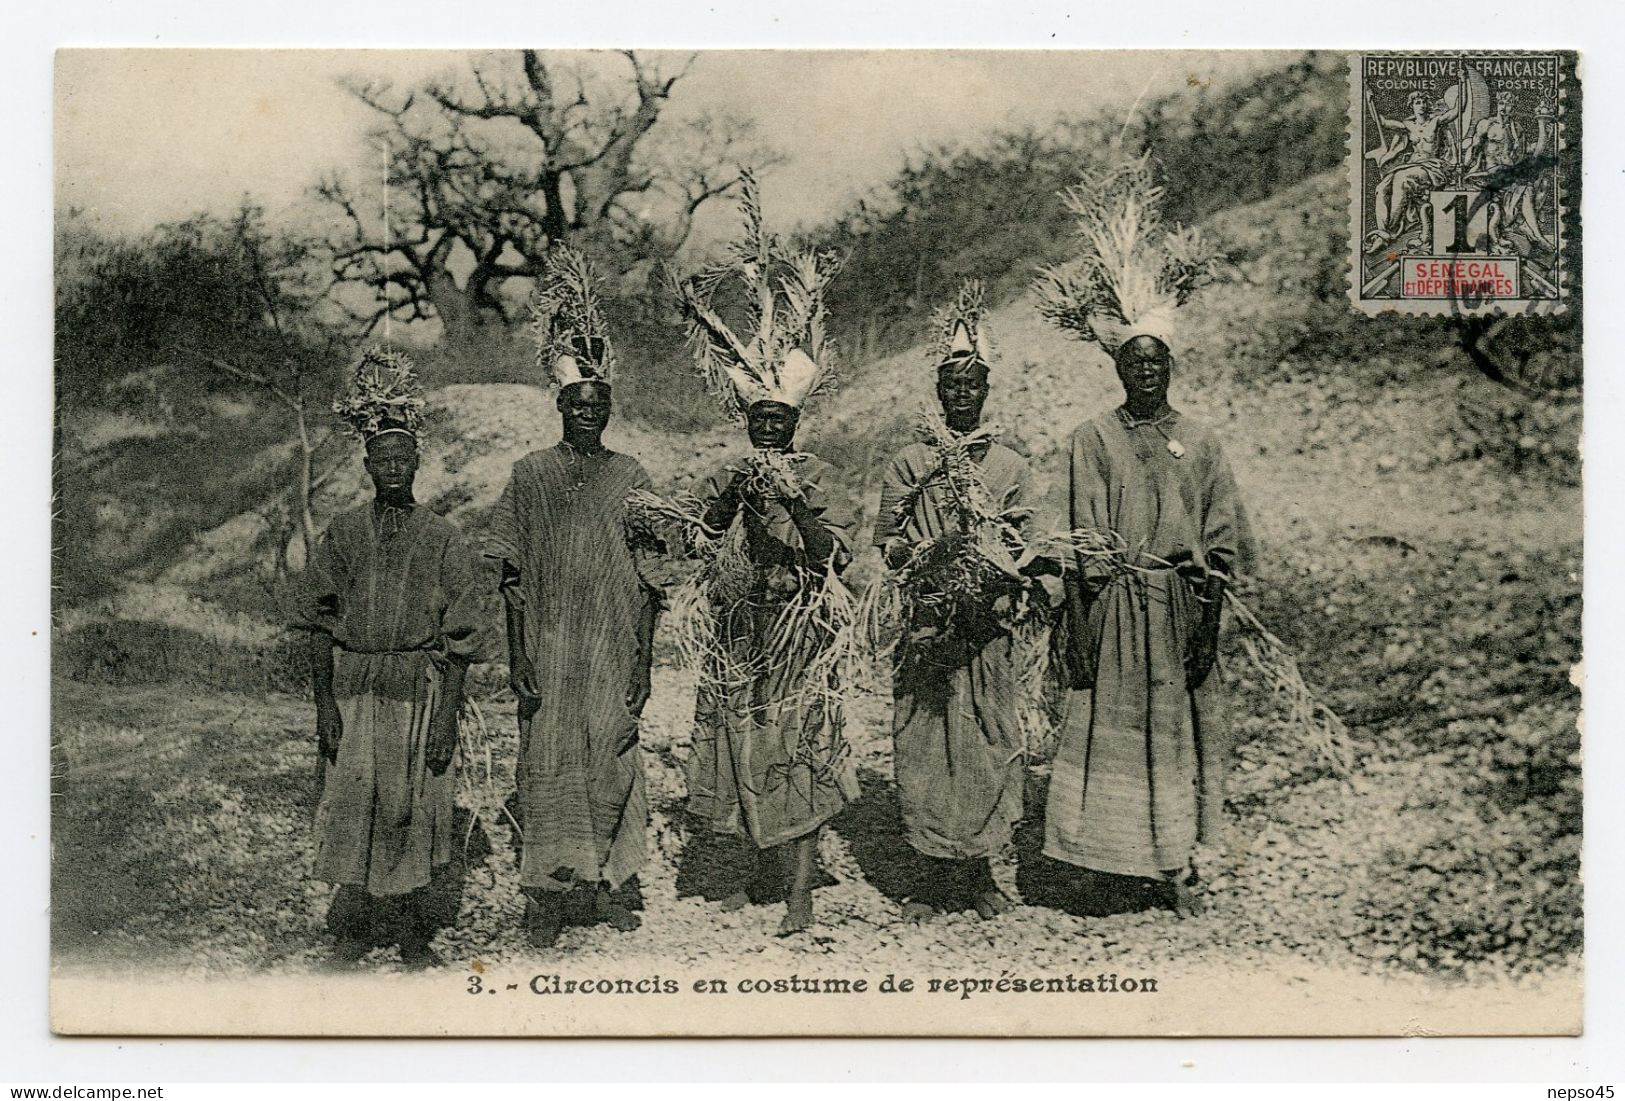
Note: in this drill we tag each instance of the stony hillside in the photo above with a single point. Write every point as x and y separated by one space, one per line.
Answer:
1363 448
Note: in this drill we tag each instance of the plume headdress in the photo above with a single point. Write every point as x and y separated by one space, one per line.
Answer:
1132 274
785 353
959 334
572 339
384 395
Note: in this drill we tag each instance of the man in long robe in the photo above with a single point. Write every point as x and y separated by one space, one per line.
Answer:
1138 778
580 634
392 611
955 723
769 760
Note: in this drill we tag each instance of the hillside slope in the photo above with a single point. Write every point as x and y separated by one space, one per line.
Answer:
1363 448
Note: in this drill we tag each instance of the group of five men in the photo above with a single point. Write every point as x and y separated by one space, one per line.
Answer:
394 591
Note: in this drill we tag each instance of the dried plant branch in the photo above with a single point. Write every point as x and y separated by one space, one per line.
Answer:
1322 729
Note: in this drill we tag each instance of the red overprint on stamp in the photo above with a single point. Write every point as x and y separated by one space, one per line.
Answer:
1495 277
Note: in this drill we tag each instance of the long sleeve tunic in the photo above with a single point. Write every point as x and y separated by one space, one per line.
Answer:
1139 775
768 758
560 527
956 699
397 591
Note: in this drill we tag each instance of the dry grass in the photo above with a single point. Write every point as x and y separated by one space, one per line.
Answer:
815 647
1305 712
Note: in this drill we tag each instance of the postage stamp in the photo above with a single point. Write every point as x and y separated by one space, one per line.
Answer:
1456 182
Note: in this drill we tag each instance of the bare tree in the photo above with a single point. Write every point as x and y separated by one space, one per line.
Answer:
284 364
484 174
288 390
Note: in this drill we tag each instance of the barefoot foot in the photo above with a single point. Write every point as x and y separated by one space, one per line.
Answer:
991 903
918 913
1187 900
798 914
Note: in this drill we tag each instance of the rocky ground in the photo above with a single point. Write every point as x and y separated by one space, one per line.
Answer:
202 870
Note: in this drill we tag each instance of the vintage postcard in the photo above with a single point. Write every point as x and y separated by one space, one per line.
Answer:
869 543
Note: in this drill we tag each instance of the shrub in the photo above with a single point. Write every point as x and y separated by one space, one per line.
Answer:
123 651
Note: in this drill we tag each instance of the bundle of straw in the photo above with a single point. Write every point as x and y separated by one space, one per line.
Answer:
775 474
1104 552
815 633
1323 730
952 585
819 632
478 784
1041 699
710 567
962 573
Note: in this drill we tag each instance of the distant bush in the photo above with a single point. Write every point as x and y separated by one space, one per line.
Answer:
656 384
185 291
123 651
992 211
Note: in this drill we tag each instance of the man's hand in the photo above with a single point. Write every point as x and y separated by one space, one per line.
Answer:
522 678
442 743
1186 565
725 507
733 492
638 694
329 729
1204 652
1203 648
763 497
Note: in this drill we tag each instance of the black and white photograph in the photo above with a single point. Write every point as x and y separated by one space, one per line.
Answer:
788 542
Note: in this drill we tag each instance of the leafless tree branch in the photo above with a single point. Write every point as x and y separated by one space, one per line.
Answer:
600 168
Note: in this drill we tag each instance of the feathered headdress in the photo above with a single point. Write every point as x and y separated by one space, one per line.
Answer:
572 341
1132 275
958 335
786 355
383 396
